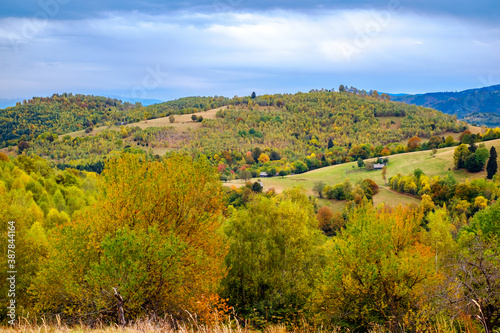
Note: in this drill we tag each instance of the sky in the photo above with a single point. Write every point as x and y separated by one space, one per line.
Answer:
164 50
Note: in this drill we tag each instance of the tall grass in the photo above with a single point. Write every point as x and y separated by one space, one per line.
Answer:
162 326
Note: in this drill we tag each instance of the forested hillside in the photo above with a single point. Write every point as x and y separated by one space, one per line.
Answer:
65 113
288 133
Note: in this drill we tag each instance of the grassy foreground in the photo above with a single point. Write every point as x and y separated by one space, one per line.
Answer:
147 326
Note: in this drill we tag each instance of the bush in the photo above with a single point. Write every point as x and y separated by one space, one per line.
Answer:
299 167
256 187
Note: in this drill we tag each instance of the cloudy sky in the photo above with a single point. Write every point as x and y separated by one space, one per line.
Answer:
169 49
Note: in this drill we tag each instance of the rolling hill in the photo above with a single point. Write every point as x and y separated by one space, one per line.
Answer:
65 113
268 133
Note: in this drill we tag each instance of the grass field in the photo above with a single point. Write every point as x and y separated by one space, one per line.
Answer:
439 164
182 123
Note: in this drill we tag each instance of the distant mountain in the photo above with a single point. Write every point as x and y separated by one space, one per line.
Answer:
479 103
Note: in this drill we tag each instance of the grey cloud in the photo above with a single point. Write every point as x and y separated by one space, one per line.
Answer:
228 53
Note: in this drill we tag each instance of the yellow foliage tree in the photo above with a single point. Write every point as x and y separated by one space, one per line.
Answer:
263 158
377 268
153 235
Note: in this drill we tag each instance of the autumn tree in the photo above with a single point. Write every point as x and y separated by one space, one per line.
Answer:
153 233
324 216
414 143
263 158
465 137
22 146
376 270
330 223
171 118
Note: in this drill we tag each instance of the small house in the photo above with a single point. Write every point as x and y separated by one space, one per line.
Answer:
378 166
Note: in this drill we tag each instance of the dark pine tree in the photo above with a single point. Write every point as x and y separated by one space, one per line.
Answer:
492 166
330 143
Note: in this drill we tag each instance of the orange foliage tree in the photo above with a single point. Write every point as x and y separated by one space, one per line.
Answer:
414 143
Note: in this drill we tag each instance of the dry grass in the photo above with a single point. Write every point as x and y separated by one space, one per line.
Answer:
157 326
182 123
441 326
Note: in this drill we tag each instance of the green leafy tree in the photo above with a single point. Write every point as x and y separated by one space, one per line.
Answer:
273 257
300 166
476 161
274 156
256 152
245 175
318 187
474 270
257 187
439 237
460 156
